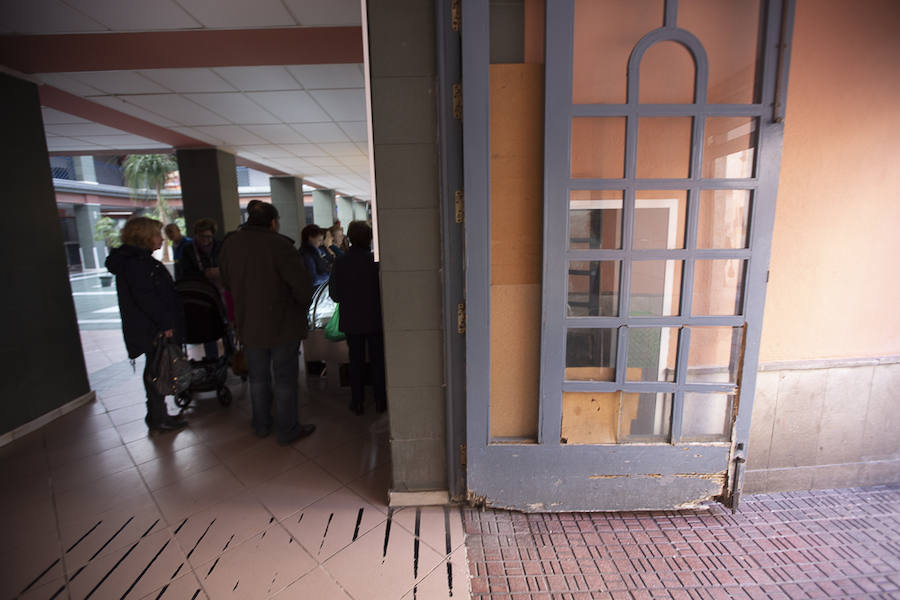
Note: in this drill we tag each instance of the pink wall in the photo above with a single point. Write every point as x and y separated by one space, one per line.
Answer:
834 289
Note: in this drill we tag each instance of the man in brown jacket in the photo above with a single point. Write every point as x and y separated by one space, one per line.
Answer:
272 292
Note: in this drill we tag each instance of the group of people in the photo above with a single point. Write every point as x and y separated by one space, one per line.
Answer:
270 285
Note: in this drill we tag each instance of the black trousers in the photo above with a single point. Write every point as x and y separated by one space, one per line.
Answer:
156 404
374 343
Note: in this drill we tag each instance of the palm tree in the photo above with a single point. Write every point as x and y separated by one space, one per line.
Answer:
150 171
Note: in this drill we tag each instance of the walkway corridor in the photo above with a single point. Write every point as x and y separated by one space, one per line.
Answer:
93 507
820 544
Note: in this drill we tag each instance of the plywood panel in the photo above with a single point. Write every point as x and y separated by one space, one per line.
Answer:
516 248
515 360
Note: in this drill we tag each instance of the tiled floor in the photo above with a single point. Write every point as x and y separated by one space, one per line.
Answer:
93 507
820 544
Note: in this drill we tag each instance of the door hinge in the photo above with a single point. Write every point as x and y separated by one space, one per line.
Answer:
460 318
459 199
455 14
462 454
457 101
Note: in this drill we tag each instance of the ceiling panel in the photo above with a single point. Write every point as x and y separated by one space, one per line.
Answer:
127 142
341 149
199 135
82 129
68 84
316 77
356 131
324 161
64 144
237 14
120 104
303 149
137 15
321 132
118 82
277 134
266 151
291 107
258 79
235 107
185 81
231 134
44 16
319 14
52 116
180 109
342 105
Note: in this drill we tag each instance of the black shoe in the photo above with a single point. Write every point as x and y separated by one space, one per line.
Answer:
168 423
262 432
301 432
356 409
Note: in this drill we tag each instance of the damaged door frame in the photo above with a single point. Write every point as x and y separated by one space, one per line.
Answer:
550 476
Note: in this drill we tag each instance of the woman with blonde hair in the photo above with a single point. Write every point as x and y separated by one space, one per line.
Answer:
148 304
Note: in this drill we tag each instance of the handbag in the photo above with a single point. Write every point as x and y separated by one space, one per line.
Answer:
332 328
239 364
168 371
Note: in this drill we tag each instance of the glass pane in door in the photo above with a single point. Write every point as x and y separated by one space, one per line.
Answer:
651 353
655 288
659 219
593 288
667 74
598 147
707 417
591 354
595 219
718 287
664 147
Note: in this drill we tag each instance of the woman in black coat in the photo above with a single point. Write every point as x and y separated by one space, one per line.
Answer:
148 304
355 286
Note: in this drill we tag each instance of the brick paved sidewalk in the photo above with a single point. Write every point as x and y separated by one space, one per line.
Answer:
819 544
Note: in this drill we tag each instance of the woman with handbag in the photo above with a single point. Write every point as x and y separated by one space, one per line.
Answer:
149 306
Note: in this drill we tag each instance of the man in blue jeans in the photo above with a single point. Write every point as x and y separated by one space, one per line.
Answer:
272 292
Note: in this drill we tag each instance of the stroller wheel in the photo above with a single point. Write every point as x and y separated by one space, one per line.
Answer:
183 399
224 396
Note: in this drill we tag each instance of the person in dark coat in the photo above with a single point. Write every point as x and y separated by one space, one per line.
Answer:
200 256
272 293
310 239
355 287
148 304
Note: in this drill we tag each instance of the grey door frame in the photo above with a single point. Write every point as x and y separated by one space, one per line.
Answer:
452 245
550 476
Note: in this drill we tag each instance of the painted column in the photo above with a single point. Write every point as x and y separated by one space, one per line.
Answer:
345 210
86 216
209 188
40 345
287 197
360 211
84 169
323 207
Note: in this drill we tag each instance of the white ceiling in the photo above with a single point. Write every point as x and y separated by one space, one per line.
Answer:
305 120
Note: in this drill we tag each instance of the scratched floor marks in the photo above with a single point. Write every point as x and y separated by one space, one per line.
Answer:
91 507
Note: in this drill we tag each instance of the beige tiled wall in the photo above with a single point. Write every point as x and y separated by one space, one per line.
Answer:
831 426
404 118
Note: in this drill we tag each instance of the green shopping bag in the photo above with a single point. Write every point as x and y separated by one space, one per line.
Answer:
332 329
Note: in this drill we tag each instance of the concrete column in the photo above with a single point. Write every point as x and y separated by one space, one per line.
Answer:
404 118
209 188
41 349
86 216
360 211
323 207
287 197
84 169
345 210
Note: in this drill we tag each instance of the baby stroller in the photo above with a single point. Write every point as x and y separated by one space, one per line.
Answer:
206 321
